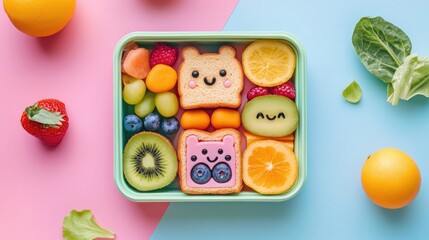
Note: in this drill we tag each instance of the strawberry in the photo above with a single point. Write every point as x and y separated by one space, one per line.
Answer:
287 89
163 54
47 120
256 92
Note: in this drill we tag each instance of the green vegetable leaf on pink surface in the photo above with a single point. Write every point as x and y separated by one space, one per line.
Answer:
82 226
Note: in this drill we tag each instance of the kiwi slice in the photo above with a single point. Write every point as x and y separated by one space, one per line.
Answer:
150 162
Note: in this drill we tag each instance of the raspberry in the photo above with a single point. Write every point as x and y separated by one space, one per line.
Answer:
256 92
287 89
163 54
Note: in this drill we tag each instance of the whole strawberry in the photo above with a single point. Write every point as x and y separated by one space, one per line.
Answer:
47 120
287 89
163 54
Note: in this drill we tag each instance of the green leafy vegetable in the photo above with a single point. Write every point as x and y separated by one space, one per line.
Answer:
352 93
385 50
410 79
82 226
381 46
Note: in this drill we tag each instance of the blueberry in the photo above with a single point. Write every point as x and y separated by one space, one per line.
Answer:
132 123
201 173
152 122
222 173
170 125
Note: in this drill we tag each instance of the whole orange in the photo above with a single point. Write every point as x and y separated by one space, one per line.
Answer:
390 178
39 18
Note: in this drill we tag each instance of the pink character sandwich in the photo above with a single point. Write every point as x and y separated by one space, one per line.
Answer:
210 163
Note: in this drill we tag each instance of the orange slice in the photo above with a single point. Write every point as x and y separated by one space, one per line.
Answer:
269 167
286 140
268 63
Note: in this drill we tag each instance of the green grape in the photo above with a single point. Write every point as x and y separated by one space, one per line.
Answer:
134 91
167 104
146 105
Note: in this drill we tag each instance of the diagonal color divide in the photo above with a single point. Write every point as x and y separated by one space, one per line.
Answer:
76 67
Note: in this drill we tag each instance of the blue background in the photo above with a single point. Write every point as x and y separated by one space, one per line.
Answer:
332 204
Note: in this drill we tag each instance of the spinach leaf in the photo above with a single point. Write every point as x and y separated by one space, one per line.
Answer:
352 93
381 46
410 79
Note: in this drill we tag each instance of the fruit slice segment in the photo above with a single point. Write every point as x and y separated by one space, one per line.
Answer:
288 140
268 63
269 167
270 116
136 63
150 161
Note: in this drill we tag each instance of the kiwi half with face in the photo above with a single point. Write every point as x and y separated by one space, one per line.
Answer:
150 162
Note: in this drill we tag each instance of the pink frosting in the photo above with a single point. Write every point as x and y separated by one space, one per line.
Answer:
195 147
192 84
227 83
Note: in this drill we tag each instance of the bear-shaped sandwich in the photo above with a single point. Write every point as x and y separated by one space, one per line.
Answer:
210 163
210 80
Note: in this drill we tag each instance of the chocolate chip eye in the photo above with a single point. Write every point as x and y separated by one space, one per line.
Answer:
204 151
281 114
220 151
228 157
194 158
222 73
195 74
260 115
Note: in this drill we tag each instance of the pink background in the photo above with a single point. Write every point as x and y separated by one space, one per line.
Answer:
41 185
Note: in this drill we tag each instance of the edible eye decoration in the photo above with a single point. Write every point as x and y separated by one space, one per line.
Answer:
281 114
194 158
204 151
228 157
195 74
222 73
260 115
220 151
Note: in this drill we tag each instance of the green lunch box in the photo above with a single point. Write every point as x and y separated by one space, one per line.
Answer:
208 42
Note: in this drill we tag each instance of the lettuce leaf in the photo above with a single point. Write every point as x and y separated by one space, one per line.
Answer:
82 226
410 79
352 93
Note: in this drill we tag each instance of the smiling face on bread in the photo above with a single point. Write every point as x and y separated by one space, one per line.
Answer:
210 80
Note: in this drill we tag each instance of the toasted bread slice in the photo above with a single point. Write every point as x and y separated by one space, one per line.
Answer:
196 147
210 80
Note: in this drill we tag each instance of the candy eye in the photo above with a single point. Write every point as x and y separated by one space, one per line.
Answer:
195 74
194 158
281 114
204 151
228 157
220 151
260 115
222 73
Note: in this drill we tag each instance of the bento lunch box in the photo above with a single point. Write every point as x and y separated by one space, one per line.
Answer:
207 42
